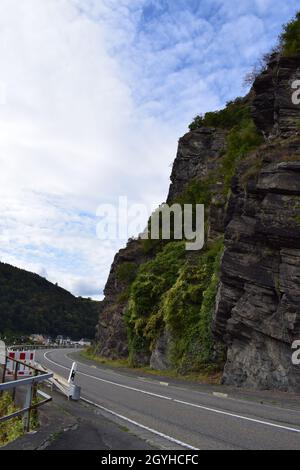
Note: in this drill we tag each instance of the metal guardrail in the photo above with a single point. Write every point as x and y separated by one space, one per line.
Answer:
32 391
34 347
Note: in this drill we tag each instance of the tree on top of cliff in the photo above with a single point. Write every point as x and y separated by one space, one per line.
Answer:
289 45
290 38
226 118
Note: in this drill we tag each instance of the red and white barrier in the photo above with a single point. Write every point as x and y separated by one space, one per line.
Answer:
27 357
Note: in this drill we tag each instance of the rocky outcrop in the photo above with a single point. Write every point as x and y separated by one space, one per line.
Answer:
199 152
111 334
273 109
159 358
257 312
258 304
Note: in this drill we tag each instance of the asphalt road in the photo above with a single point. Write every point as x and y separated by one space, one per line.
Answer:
182 417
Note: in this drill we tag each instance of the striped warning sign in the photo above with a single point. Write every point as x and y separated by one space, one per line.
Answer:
26 357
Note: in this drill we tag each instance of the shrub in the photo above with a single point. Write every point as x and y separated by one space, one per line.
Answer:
231 115
290 38
261 66
153 279
188 309
12 429
197 192
126 272
241 140
176 294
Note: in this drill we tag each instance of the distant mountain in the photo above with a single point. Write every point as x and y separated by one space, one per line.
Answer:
31 304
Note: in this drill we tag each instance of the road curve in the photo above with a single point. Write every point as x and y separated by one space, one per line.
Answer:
183 416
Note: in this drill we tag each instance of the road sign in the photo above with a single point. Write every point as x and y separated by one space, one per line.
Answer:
2 353
72 373
26 357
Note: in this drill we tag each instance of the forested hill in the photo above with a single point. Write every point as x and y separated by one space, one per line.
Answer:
31 304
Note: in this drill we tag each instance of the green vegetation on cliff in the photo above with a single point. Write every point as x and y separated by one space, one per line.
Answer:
232 115
242 138
175 292
187 309
31 304
290 38
154 279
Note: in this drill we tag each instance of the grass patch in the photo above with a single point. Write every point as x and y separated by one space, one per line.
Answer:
241 140
92 355
12 429
208 376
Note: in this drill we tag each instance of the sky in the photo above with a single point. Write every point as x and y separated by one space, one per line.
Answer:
94 95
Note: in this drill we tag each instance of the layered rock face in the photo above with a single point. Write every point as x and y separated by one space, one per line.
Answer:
111 334
258 304
257 312
273 110
198 153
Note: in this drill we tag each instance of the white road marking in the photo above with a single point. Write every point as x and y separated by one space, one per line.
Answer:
286 428
128 420
220 395
135 423
211 410
112 383
108 371
153 382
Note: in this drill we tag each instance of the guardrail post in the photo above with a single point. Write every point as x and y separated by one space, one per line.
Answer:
15 378
27 404
4 371
34 413
28 407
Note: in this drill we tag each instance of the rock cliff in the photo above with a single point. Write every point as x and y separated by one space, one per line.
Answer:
111 333
251 188
258 303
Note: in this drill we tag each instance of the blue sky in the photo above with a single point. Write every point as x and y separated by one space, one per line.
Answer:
96 95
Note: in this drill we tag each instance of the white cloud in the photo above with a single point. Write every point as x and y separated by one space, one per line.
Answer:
97 94
69 135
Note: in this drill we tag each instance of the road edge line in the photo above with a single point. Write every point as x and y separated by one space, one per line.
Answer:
142 426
